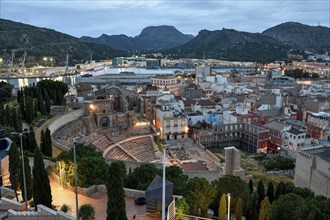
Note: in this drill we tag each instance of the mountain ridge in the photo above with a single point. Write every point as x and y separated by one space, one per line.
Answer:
150 38
44 42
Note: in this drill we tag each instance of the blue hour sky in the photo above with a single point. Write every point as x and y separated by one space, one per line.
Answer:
95 17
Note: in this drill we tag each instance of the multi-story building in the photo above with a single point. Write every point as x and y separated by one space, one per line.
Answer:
313 167
171 124
317 123
166 83
276 135
250 137
295 139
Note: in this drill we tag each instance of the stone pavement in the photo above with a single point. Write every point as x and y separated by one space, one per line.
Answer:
99 202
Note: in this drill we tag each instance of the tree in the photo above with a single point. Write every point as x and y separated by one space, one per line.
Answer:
238 210
179 180
41 186
279 190
270 192
14 167
86 212
222 208
289 206
116 197
261 192
46 143
253 212
142 176
29 116
91 170
32 140
237 188
182 208
67 209
200 194
28 179
251 185
265 209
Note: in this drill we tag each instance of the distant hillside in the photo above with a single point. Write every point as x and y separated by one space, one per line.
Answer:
230 44
151 38
42 42
300 36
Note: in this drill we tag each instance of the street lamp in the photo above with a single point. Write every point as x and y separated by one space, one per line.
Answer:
75 142
45 59
163 193
23 166
228 194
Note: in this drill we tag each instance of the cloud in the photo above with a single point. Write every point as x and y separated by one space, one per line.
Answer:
92 18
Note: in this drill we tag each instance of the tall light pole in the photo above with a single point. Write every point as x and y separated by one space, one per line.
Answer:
228 194
163 193
75 142
23 166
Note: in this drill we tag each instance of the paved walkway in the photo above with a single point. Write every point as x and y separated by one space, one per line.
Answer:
98 201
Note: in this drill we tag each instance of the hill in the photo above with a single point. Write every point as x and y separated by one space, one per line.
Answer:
43 42
302 37
230 44
151 38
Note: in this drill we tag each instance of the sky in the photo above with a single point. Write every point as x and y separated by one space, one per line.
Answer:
95 17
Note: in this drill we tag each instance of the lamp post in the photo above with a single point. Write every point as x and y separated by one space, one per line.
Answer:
75 142
23 166
163 193
228 194
45 59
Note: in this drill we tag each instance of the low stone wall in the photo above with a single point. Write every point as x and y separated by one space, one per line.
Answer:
209 175
209 153
132 193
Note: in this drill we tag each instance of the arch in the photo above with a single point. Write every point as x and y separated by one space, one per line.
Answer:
104 122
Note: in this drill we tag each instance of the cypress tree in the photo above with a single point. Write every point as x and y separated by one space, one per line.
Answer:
41 186
261 192
251 185
223 208
116 197
270 192
28 179
14 167
238 210
29 110
46 143
16 123
32 140
41 105
47 100
279 190
265 209
253 214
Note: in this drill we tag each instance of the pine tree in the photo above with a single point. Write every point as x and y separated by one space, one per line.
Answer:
238 210
14 167
251 185
223 208
270 192
265 209
261 192
28 179
41 186
116 197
